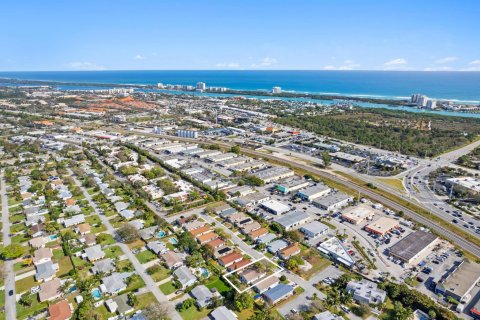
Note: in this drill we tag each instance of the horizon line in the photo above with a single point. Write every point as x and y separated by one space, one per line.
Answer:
243 70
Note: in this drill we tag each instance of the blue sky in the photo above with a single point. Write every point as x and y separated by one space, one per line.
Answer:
242 34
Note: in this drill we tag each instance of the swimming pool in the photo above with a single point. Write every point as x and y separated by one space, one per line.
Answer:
96 294
173 240
205 272
72 289
161 234
53 237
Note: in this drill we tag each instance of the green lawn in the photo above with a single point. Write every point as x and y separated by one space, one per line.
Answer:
79 262
162 273
113 252
20 238
18 228
16 218
137 283
167 288
219 284
25 284
65 265
125 266
146 256
193 313
21 267
23 312
108 239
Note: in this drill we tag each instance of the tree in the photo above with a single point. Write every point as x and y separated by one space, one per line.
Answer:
128 233
327 158
156 311
13 251
399 312
186 304
243 301
132 299
235 149
26 300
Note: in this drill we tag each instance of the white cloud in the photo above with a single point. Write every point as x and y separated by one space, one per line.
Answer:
348 65
83 65
441 68
266 62
475 62
446 60
232 65
138 57
395 64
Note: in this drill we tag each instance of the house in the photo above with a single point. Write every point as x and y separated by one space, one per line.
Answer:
278 293
46 271
127 214
103 266
75 209
42 255
267 238
94 253
115 282
119 206
326 315
314 229
157 247
60 311
30 221
290 251
123 308
74 220
200 231
277 245
172 259
185 276
256 234
366 292
50 290
192 225
230 259
89 239
83 228
37 230
222 251
147 233
207 237
38 242
111 305
202 295
238 265
250 275
223 313
137 224
251 227
215 244
266 284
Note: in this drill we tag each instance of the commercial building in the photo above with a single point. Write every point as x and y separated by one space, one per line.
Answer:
382 226
334 249
252 200
187 133
292 220
358 215
273 174
414 247
469 184
333 201
459 282
275 207
294 184
347 157
313 192
366 292
314 229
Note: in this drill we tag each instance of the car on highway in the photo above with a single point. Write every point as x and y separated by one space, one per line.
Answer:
455 221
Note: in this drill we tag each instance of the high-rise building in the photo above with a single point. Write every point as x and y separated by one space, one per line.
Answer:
276 90
160 85
422 101
201 86
431 104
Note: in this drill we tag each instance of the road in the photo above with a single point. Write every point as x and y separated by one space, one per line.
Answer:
9 274
139 268
446 233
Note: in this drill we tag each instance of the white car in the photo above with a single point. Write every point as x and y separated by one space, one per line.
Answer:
35 289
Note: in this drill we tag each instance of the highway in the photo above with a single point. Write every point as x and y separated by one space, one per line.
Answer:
456 239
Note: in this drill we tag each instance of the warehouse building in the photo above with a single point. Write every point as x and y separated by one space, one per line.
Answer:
382 226
414 247
314 229
291 185
333 201
459 282
313 192
333 249
273 174
275 207
292 220
358 215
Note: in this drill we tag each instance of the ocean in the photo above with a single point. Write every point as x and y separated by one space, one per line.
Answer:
459 86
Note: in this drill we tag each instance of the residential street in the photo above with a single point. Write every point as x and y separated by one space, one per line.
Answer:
9 274
139 268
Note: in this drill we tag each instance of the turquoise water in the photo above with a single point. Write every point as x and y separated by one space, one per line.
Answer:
445 85
96 294
205 272
173 240
72 289
53 237
161 234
